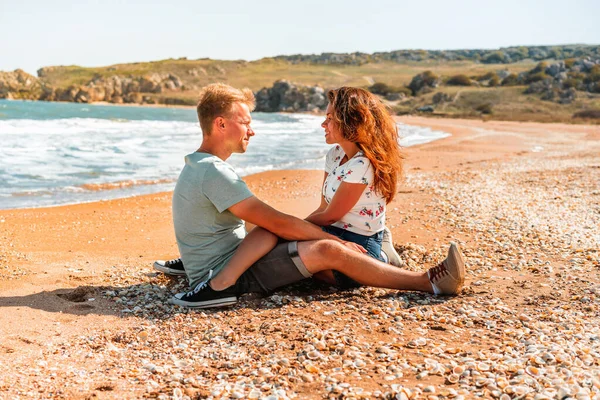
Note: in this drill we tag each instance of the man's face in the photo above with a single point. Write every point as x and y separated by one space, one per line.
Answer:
237 128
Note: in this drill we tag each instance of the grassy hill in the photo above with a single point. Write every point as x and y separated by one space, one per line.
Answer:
178 81
262 73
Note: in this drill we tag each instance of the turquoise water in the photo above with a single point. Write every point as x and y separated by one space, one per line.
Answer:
63 153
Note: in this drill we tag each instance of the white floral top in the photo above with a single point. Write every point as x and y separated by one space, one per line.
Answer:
367 217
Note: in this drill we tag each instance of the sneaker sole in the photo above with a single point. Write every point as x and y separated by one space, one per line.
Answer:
225 301
455 255
168 271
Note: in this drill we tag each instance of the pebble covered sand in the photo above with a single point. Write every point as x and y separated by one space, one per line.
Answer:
526 326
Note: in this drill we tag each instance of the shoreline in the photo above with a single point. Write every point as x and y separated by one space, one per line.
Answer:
488 118
455 127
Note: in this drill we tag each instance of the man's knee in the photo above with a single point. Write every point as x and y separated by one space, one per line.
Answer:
319 254
329 248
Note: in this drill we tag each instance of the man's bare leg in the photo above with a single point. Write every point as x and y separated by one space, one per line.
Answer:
323 255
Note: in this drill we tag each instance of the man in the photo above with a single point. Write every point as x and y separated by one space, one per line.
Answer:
211 203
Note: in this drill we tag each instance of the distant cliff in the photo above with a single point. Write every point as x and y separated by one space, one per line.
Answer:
20 85
504 55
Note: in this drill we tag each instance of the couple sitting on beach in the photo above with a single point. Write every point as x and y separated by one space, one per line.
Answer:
340 242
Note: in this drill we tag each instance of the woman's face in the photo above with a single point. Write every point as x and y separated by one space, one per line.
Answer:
333 134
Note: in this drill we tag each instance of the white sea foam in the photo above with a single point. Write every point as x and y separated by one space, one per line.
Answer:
51 161
414 135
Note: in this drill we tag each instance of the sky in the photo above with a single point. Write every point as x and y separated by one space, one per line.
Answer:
37 33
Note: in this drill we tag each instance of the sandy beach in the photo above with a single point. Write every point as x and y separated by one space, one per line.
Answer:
83 315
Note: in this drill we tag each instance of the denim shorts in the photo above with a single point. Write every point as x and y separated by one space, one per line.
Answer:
371 243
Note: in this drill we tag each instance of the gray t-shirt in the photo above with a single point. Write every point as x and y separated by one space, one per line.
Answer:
207 232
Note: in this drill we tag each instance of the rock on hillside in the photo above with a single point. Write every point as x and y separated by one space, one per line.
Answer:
19 85
560 81
117 89
289 97
424 83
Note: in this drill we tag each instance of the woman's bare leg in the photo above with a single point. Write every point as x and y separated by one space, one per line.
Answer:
255 245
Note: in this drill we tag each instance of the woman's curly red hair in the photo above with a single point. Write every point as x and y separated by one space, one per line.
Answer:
363 119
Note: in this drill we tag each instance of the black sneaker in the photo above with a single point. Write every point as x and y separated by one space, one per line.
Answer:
203 296
170 267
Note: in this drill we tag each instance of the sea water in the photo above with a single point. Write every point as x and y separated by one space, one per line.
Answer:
64 153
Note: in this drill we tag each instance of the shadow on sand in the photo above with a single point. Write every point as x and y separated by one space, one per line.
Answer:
149 299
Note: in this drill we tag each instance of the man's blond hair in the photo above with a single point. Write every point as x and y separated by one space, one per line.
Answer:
217 100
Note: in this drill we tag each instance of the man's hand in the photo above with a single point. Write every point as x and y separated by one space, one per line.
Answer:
356 247
285 226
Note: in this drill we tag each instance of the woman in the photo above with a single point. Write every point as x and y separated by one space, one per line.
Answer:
361 171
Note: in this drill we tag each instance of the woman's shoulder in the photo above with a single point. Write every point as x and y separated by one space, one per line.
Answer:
359 159
335 153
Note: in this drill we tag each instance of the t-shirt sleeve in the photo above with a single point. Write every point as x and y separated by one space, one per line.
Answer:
330 159
359 170
223 187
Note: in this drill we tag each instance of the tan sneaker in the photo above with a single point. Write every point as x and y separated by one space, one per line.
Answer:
387 247
448 276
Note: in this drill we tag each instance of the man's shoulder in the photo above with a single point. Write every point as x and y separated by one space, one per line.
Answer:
201 160
208 163
219 169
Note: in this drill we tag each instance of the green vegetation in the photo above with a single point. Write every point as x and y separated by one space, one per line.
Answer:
537 77
511 80
590 114
506 55
383 89
459 80
485 108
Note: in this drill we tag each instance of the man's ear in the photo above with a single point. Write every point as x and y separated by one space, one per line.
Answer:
219 123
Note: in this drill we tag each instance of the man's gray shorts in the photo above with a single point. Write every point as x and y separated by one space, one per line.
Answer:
280 267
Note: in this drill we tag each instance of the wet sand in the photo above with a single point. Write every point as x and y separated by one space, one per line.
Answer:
84 315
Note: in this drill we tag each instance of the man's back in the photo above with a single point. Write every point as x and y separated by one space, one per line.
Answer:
207 233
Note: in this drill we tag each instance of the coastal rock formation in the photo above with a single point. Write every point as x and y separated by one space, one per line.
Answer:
116 89
20 85
285 96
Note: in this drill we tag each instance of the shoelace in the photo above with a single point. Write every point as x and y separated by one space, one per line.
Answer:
200 286
172 262
437 272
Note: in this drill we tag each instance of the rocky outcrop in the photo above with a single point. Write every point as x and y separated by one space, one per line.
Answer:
20 85
117 89
285 96
424 83
560 81
441 97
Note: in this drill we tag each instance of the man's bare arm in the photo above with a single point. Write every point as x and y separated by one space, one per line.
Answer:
283 225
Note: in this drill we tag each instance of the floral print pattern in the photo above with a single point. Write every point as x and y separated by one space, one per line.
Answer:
368 214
